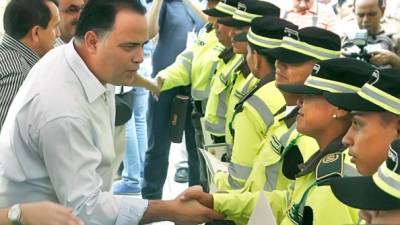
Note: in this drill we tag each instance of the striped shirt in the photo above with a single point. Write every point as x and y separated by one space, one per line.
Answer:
16 60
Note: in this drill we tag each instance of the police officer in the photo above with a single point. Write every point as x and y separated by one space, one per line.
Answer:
378 195
376 119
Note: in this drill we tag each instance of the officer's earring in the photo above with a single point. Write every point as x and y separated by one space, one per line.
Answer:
334 116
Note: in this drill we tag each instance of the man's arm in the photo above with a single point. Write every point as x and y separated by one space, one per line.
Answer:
73 165
153 17
150 84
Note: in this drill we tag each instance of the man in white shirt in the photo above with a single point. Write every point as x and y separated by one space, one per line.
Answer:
57 140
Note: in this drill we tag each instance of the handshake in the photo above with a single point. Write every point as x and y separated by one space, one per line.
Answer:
194 206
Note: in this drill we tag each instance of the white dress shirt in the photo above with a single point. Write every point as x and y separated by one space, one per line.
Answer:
57 142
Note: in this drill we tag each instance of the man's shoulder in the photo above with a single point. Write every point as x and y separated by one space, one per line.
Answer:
11 60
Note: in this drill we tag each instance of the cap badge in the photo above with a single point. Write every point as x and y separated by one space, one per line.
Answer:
242 7
291 33
316 68
330 158
374 78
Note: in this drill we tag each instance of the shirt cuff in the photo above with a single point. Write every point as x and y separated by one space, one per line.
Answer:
131 210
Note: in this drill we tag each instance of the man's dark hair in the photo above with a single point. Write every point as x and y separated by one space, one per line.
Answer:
21 15
99 15
381 3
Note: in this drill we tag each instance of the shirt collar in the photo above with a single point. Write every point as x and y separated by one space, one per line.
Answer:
244 68
289 117
91 85
227 55
28 54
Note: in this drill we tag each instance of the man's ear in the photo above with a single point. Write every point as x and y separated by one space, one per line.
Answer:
34 33
91 40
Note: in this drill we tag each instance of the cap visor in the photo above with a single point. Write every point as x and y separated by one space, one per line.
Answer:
300 89
230 22
289 56
351 102
362 193
215 13
242 37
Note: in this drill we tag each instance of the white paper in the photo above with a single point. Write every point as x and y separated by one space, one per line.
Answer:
214 164
262 213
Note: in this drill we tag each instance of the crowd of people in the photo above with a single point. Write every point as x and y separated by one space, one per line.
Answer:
301 94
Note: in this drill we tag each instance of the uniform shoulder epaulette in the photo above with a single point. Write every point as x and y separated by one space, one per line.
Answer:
330 166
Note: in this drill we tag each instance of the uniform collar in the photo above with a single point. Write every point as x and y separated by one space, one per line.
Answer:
290 118
28 54
91 85
209 27
227 55
311 164
244 68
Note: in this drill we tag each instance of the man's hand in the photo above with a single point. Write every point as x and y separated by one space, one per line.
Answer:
190 211
385 57
156 85
182 210
196 193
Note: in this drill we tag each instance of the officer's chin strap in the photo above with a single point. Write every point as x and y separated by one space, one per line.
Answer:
299 214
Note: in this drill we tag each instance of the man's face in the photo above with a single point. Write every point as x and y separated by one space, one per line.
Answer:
120 52
223 34
346 9
389 217
70 11
292 73
302 5
368 15
47 36
239 47
368 139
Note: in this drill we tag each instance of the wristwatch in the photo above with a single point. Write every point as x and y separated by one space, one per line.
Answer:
14 214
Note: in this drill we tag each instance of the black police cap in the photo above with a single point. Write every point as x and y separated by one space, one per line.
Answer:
309 43
224 8
337 76
247 10
381 93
